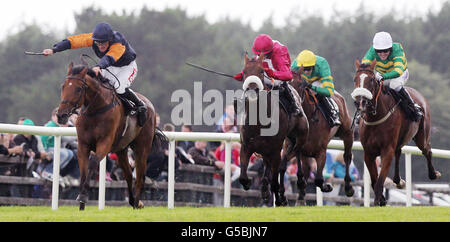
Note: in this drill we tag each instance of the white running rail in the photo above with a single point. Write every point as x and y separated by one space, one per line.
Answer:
226 137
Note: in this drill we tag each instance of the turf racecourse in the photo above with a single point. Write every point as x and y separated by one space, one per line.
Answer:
219 214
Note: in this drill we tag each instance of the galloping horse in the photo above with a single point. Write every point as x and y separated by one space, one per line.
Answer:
104 127
384 129
269 146
319 136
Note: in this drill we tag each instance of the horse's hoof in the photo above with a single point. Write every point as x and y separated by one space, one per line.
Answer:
140 205
401 184
435 175
382 202
349 192
282 202
245 183
82 206
300 202
327 188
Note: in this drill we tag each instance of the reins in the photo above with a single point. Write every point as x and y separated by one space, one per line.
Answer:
84 109
374 112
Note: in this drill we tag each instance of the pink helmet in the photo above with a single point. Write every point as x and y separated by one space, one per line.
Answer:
262 44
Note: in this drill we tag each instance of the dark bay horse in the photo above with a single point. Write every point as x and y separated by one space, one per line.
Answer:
252 136
320 134
103 127
384 129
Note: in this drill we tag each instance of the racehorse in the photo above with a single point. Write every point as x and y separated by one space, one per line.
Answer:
269 146
319 136
384 129
104 127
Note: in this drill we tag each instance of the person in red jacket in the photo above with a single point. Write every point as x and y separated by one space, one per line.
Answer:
277 63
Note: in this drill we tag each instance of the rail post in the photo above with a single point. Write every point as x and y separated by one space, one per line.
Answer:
227 179
101 184
56 165
171 175
408 179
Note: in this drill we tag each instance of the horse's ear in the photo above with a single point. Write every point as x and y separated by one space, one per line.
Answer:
84 71
357 64
261 57
372 65
246 59
70 68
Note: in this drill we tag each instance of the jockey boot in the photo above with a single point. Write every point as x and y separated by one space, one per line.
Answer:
140 105
410 107
293 108
331 112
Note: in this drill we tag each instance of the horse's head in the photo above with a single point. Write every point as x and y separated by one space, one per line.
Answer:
297 81
253 76
367 88
73 92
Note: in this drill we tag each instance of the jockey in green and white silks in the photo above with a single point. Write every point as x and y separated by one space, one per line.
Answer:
392 68
317 73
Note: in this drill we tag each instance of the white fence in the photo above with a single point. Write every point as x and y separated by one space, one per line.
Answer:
57 132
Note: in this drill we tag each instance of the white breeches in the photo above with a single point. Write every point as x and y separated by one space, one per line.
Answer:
397 83
125 76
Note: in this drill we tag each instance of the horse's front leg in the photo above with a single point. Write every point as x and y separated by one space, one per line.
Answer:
244 159
319 181
141 166
282 171
349 191
275 161
267 178
386 160
397 179
83 163
301 181
127 173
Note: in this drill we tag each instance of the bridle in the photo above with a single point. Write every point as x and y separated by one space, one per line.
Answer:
83 93
76 104
372 103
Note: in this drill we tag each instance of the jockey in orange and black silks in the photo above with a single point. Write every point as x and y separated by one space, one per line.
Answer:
117 60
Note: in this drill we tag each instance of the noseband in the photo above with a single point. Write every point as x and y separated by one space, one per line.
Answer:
373 104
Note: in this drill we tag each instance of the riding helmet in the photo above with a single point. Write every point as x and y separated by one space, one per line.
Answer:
263 44
306 58
102 32
382 41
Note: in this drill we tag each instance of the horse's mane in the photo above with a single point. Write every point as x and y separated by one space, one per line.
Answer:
77 70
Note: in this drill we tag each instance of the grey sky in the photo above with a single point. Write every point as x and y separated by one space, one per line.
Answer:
58 15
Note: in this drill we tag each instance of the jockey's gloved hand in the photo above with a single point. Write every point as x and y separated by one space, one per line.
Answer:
239 76
305 84
269 72
97 70
378 76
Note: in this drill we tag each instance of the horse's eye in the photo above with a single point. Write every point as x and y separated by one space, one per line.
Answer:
262 71
78 89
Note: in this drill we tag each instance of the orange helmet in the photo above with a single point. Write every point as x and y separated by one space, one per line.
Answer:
262 44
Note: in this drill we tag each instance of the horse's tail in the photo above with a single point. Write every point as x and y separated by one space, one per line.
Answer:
160 140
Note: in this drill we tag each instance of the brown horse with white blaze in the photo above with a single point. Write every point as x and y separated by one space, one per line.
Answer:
104 127
320 134
253 138
384 128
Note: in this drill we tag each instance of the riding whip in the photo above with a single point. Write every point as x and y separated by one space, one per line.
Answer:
33 53
208 70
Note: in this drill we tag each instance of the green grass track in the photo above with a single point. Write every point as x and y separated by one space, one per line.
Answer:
219 214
